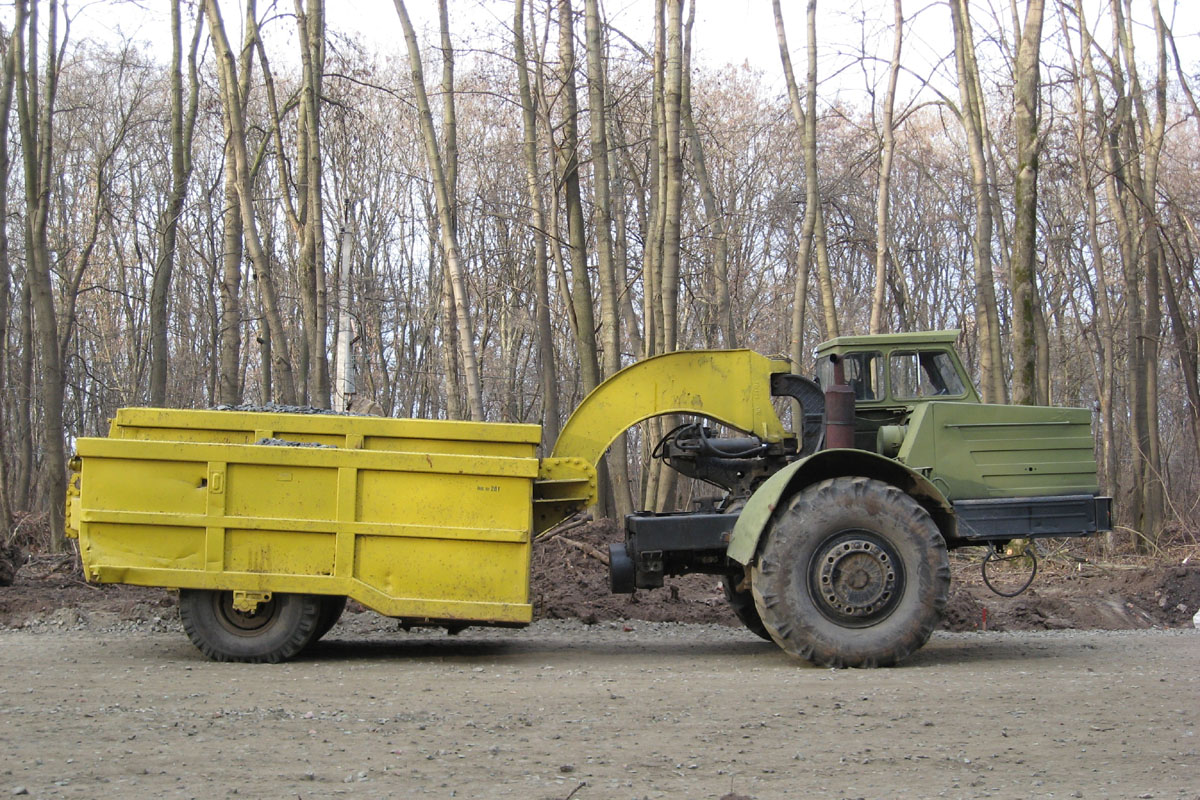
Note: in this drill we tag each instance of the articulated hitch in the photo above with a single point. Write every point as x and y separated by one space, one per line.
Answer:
657 545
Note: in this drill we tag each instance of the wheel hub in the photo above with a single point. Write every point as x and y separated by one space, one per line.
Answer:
856 578
243 622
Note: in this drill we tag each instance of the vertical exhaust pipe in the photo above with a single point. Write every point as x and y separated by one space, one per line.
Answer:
839 409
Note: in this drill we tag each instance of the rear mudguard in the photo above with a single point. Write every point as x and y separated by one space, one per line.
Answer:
761 506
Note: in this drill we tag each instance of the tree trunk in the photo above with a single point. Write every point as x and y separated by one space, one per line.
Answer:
231 279
451 343
987 314
720 320
449 236
672 94
610 311
182 127
812 182
6 97
883 195
231 381
652 305
1145 185
568 158
36 120
234 109
23 427
1025 208
545 334
311 32
812 205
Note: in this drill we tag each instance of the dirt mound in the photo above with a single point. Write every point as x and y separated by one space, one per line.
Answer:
1170 594
570 581
47 585
1108 598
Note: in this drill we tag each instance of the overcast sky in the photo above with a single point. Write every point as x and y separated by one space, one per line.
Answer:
726 32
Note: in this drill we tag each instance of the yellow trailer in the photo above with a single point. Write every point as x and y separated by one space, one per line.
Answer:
266 522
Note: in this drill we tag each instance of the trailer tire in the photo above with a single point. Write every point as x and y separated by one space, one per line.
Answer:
278 630
742 603
332 606
853 573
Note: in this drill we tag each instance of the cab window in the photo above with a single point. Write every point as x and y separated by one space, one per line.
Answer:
864 374
924 374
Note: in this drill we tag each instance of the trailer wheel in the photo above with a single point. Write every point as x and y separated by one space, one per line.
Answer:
853 573
742 603
332 607
276 631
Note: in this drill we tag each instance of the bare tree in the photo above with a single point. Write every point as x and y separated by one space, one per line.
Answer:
37 90
232 246
1025 207
545 340
233 104
987 314
449 237
310 24
610 310
672 97
568 159
450 340
1149 127
883 193
812 237
6 97
183 126
721 316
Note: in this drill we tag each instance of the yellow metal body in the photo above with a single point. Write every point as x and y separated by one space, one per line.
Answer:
730 386
423 520
333 430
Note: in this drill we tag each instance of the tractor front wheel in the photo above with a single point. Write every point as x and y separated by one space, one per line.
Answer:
853 573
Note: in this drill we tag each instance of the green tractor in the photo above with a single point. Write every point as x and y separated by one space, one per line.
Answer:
833 542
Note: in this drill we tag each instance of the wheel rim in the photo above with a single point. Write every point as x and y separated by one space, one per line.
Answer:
244 623
856 578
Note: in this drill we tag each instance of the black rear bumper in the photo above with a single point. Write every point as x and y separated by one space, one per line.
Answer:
1032 517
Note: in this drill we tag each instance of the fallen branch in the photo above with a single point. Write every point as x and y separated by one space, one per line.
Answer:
569 524
85 584
587 549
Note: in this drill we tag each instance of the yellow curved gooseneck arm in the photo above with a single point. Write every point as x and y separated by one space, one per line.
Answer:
730 386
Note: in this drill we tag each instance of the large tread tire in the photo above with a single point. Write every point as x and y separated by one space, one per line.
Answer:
867 543
277 631
332 607
742 603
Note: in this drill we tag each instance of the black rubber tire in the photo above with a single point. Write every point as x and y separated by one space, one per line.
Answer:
277 631
742 603
332 607
858 535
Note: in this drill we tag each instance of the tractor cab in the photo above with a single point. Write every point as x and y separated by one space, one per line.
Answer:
891 374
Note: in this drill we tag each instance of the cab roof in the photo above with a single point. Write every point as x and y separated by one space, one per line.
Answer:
889 340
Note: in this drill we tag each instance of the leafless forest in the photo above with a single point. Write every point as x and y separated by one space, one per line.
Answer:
530 207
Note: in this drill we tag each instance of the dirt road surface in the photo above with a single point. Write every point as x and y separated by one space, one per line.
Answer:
614 710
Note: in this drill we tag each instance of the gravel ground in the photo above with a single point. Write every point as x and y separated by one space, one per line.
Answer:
94 706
